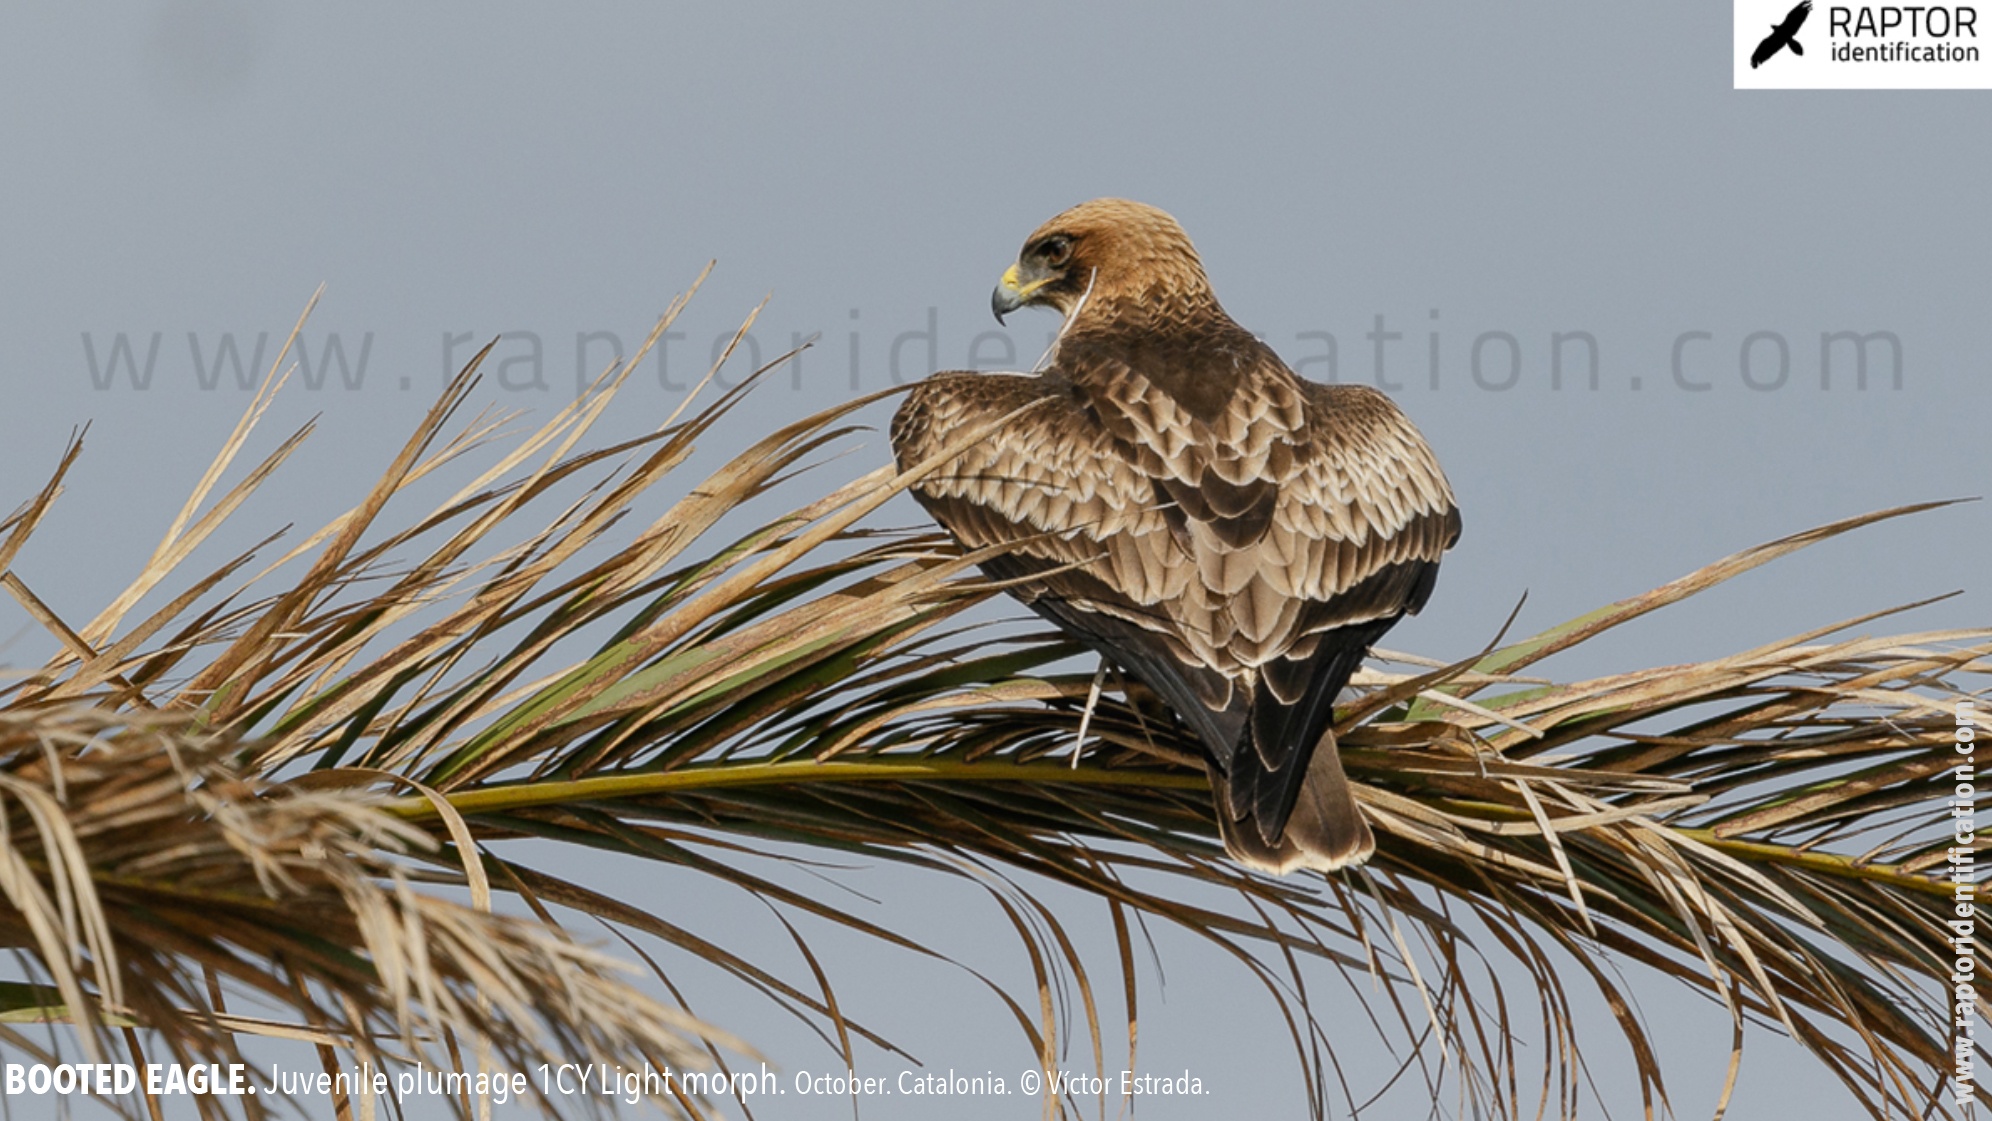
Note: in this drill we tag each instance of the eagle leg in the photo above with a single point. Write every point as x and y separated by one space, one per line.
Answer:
1086 717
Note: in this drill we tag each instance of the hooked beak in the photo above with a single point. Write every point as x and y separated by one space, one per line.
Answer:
1013 292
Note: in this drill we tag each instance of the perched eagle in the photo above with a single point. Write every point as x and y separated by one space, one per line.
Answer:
1229 534
1782 35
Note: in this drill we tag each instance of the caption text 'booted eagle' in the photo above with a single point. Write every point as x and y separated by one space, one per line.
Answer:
1232 535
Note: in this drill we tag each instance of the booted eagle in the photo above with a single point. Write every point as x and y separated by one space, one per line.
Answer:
1229 534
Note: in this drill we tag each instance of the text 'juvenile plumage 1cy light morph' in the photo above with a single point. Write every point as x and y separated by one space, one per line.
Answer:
1233 536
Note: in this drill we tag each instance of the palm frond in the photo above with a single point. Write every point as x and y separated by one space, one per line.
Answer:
141 868
522 661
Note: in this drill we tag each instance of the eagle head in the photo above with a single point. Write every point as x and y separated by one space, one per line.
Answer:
1105 254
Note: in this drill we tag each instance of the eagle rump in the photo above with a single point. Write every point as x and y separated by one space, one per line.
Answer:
1168 491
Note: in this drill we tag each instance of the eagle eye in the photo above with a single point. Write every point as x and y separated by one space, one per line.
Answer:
1056 250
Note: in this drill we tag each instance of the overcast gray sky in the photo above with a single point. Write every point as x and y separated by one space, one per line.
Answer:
1432 193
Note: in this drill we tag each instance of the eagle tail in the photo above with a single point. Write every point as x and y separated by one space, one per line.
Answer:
1795 48
1325 831
1327 825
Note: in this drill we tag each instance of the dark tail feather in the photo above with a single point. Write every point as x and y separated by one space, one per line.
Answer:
1327 824
1325 831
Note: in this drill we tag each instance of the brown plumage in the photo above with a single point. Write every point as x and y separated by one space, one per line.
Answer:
1233 536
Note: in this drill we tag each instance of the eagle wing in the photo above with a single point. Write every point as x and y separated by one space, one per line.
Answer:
1354 546
1089 547
1238 558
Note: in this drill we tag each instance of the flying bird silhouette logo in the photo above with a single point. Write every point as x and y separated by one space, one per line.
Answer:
1782 35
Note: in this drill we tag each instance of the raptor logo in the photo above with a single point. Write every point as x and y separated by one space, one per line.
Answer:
1782 35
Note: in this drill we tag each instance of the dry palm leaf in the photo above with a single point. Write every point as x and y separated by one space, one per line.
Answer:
1758 826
